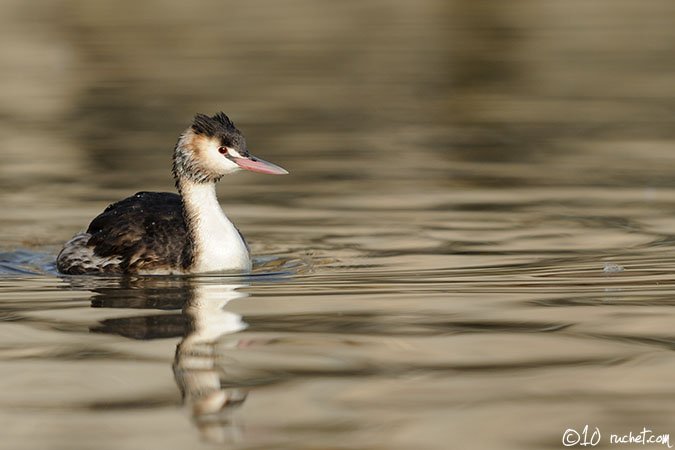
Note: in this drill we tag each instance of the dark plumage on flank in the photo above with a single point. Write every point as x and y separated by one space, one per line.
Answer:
142 233
147 231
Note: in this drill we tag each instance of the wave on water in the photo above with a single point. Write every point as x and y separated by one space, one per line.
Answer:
27 262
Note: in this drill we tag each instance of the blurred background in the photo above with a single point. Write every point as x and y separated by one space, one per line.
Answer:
461 172
382 93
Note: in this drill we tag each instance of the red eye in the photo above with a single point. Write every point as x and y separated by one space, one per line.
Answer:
222 150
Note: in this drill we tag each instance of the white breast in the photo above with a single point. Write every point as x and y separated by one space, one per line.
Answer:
219 246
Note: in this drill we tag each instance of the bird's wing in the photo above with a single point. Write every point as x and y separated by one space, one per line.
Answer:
146 230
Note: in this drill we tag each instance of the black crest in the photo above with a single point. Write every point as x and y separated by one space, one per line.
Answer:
212 126
220 126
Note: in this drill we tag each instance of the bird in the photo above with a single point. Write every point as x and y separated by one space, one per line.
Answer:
166 233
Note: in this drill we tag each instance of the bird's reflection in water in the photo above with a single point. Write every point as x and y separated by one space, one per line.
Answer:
195 365
205 325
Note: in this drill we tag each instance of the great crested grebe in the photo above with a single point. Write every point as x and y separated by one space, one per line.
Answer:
166 233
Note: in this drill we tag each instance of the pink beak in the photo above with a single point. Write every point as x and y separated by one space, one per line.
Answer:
258 165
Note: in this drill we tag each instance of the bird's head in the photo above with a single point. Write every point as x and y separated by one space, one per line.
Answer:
213 147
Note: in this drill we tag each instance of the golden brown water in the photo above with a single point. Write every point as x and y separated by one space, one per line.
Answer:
474 248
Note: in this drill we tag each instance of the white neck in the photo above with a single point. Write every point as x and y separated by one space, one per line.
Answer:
218 246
